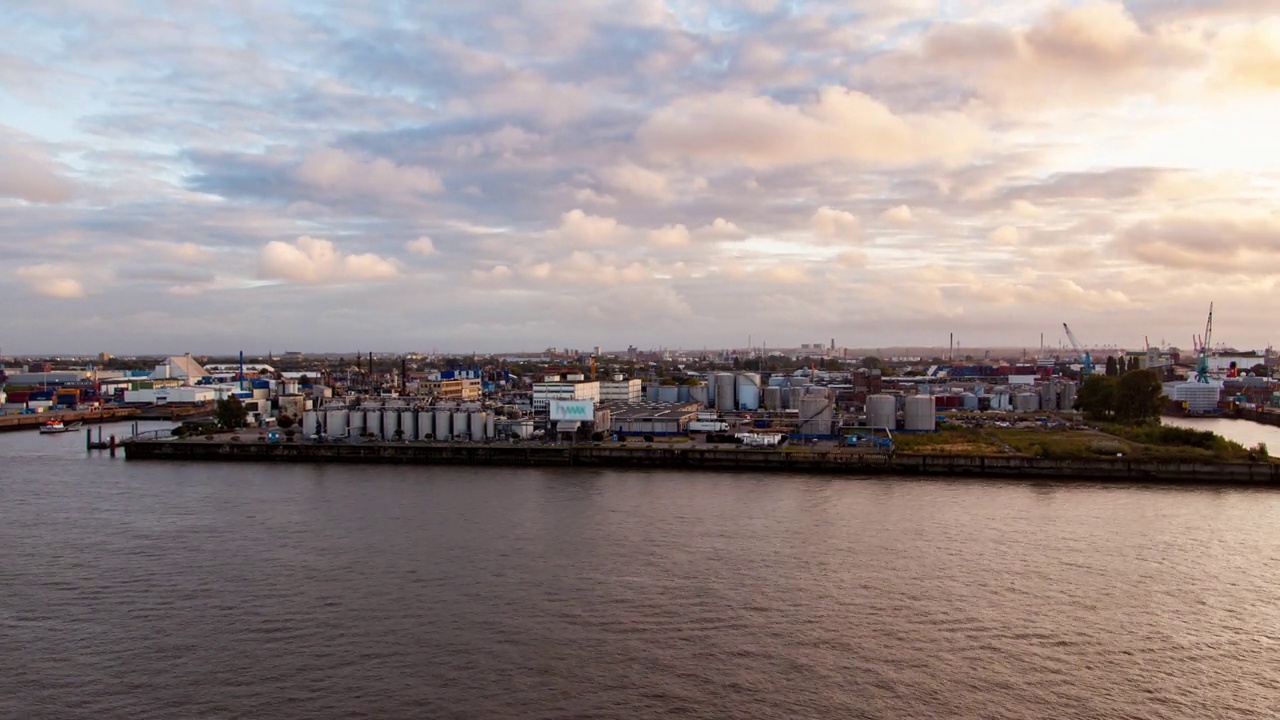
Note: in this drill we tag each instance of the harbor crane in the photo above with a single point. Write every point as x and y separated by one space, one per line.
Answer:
1086 360
1202 361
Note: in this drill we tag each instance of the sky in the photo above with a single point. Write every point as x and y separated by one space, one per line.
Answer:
501 175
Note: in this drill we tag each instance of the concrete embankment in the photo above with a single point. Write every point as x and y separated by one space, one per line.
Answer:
89 417
836 462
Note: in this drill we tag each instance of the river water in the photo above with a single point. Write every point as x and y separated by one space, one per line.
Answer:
159 590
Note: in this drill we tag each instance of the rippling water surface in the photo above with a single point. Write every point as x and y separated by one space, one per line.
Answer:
156 590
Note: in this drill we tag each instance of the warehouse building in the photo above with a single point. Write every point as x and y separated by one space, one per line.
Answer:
651 418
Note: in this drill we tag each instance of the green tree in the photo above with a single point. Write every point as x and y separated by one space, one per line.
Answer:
1261 370
285 421
1097 397
231 413
1139 397
1113 368
871 362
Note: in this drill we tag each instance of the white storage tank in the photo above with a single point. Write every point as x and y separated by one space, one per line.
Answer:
373 421
919 414
426 424
668 393
477 426
460 427
444 425
409 424
882 412
308 422
749 391
355 424
335 422
725 398
390 422
490 427
969 401
815 415
1067 398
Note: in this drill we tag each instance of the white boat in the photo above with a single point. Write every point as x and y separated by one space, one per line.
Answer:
56 426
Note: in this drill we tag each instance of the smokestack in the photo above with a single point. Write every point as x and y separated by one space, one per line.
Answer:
404 375
242 370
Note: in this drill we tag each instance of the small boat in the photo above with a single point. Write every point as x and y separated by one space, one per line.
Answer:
53 426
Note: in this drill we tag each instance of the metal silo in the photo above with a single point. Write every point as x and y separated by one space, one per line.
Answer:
682 393
1067 398
373 421
749 391
477 426
490 426
969 401
355 423
390 422
815 415
308 421
700 394
426 424
919 414
460 427
773 398
726 400
335 422
1026 402
651 392
444 425
882 412
668 393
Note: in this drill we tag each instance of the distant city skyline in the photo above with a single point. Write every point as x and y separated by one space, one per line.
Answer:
492 175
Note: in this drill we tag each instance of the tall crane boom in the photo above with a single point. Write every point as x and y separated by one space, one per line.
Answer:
1086 360
1202 362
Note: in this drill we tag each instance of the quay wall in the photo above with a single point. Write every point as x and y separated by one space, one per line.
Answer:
837 462
89 417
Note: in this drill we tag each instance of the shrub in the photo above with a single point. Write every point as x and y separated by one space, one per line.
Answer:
648 438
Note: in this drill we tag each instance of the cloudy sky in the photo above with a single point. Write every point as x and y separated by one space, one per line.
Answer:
513 174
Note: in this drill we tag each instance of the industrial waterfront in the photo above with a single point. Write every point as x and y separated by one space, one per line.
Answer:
155 590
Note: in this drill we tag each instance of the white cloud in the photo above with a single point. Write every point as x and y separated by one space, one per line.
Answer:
421 246
314 260
636 180
577 228
50 281
831 223
27 173
670 236
898 215
336 172
1005 235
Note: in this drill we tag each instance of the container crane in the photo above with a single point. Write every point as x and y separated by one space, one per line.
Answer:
1202 363
1086 360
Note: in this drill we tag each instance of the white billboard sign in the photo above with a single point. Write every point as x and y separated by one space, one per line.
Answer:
579 410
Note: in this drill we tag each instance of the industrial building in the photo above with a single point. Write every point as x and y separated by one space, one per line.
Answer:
572 387
651 418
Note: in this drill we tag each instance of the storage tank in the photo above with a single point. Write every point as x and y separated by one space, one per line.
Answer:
335 422
773 397
490 427
725 398
444 425
355 423
426 423
815 415
477 426
1067 398
748 391
373 421
682 393
308 422
700 394
409 423
460 427
1026 402
651 392
390 422
668 393
969 401
919 414
882 412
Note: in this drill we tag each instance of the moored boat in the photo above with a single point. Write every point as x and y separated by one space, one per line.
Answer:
53 426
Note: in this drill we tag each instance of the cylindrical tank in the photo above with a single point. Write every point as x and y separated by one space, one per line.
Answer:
489 426
373 421
918 414
668 393
726 399
426 422
460 427
773 398
748 387
818 390
390 422
882 412
651 392
969 401
778 381
815 415
1067 398
792 398
335 422
682 393
355 423
477 426
699 394
308 421
444 425
1026 402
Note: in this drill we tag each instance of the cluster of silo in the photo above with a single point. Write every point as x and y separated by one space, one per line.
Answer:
919 414
390 422
1026 402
